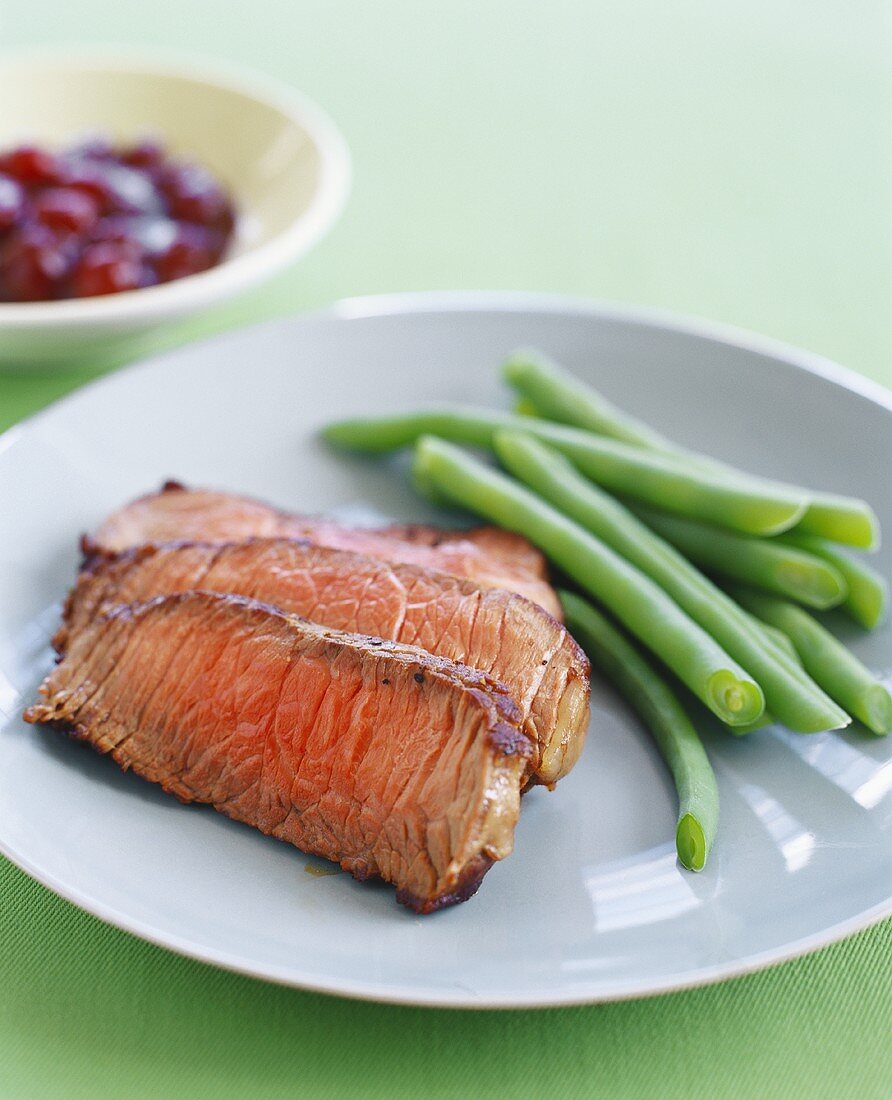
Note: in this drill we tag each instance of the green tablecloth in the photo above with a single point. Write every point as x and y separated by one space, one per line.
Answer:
726 159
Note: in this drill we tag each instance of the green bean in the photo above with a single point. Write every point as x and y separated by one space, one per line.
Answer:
659 479
782 641
648 694
558 395
763 563
867 590
641 605
789 693
838 671
380 434
841 519
522 407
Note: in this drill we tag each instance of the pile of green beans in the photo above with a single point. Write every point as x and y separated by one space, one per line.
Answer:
780 567
748 505
447 473
790 695
707 567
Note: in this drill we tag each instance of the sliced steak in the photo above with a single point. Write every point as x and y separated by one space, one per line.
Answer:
499 632
488 555
380 756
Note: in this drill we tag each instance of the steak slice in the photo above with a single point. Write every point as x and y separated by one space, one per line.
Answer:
488 555
503 634
380 756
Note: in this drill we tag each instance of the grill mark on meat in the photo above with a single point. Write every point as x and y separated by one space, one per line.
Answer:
504 635
421 783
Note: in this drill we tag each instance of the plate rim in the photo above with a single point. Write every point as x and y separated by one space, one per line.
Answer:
419 302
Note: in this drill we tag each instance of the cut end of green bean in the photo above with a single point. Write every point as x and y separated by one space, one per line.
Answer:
878 710
737 702
866 602
816 584
690 843
868 590
842 519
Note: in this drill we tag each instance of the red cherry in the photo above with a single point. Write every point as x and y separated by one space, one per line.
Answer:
30 165
89 182
153 234
107 268
193 251
12 203
32 266
194 195
113 227
145 154
96 221
115 188
66 208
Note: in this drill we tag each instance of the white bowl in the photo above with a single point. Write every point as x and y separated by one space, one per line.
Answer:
285 162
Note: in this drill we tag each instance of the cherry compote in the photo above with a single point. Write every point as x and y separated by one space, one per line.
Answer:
96 219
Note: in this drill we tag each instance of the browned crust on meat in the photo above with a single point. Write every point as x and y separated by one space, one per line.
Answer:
467 886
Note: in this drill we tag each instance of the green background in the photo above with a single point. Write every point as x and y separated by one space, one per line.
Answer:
727 158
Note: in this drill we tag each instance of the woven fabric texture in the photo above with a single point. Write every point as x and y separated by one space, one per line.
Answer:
728 160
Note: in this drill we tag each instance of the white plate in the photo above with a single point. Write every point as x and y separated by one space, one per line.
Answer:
592 905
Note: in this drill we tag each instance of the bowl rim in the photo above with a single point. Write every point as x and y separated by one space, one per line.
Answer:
242 271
